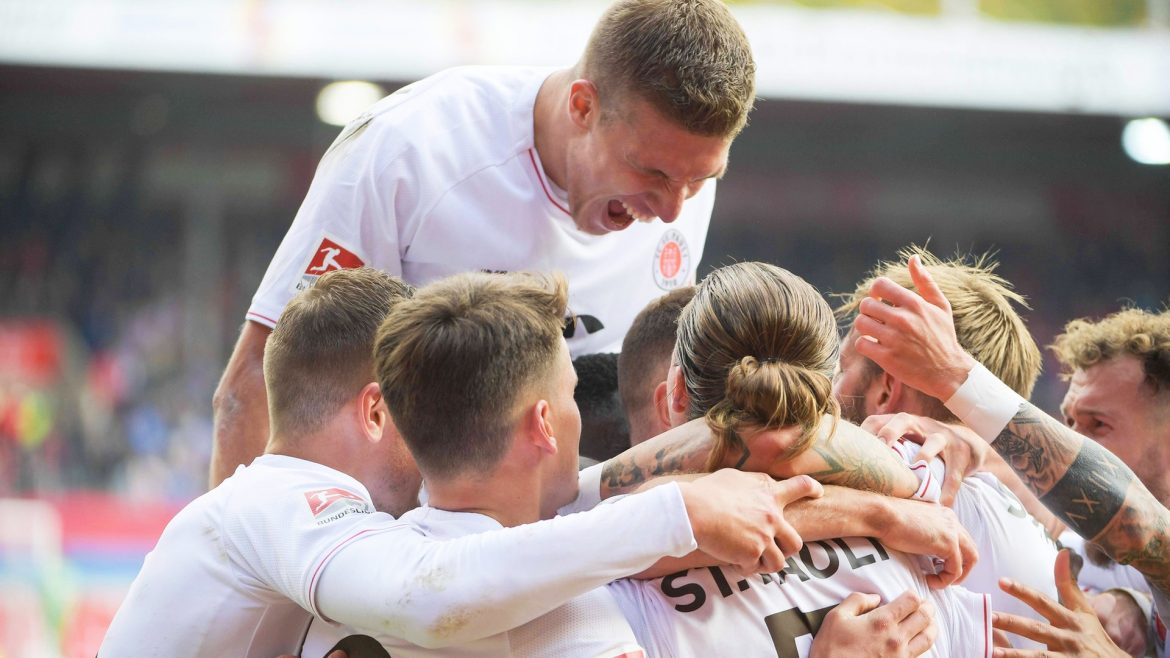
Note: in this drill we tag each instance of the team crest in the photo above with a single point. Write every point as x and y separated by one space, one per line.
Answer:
672 261
329 255
333 503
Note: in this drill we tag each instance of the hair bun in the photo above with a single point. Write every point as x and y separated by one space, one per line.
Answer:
769 394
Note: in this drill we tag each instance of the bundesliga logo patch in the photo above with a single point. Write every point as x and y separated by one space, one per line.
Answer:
329 255
672 261
333 503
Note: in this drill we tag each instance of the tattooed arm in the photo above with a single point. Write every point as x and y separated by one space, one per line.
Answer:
843 455
912 337
1091 490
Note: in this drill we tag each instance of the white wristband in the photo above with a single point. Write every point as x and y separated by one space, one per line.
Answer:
984 403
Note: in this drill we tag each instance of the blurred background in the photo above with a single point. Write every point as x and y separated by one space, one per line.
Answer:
152 155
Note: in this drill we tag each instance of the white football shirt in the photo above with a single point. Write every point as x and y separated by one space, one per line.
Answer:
442 177
241 570
588 626
711 611
1011 543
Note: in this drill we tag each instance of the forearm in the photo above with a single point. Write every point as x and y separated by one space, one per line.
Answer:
850 457
840 512
1091 490
441 593
240 407
683 449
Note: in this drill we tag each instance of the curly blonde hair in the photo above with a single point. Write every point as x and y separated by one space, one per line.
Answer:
1132 332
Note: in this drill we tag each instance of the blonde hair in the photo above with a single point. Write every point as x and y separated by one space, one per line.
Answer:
1132 332
453 361
319 354
688 58
986 323
757 347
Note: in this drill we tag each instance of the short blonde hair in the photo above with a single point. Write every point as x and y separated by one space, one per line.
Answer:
757 347
1132 332
688 58
320 353
986 322
453 361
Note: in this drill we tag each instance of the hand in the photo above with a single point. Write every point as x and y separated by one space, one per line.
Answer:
1073 629
1123 620
738 518
912 335
858 628
962 450
921 528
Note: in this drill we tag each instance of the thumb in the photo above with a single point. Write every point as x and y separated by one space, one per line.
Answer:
1070 593
858 604
927 288
795 488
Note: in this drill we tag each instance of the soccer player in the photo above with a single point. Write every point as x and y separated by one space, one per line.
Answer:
1119 396
645 361
1011 543
506 454
912 336
756 347
303 531
510 168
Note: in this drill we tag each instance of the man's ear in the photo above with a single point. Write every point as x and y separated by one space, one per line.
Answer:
538 427
890 397
584 104
676 391
660 402
374 414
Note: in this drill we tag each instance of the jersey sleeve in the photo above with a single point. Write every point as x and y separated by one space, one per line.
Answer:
438 593
351 216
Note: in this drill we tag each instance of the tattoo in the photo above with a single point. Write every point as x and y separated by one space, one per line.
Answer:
1141 538
623 474
847 471
1091 492
1037 447
743 460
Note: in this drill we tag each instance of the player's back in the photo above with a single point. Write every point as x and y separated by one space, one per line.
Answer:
711 611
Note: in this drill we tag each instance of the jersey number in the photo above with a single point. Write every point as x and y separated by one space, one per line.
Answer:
786 626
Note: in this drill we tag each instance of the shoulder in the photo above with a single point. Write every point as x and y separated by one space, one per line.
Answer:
480 109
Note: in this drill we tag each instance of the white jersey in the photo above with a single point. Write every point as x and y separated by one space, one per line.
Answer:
710 611
1011 543
443 177
589 626
242 569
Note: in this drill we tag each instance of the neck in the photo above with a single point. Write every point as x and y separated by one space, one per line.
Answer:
393 487
506 495
321 447
550 132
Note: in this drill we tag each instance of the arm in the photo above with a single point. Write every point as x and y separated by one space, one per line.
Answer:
912 337
842 454
909 526
438 593
240 406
